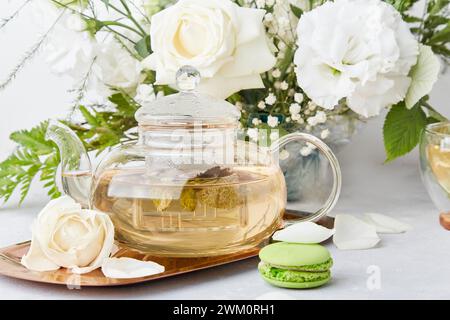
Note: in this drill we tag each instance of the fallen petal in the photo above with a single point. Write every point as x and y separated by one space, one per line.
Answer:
127 268
303 232
353 233
385 224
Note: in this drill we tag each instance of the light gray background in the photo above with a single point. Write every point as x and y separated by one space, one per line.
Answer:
413 265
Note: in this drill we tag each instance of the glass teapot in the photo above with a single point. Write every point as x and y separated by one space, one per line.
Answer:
189 187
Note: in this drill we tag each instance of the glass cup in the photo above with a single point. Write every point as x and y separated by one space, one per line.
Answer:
435 166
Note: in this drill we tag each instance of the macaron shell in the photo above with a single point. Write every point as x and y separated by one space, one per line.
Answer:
296 285
287 255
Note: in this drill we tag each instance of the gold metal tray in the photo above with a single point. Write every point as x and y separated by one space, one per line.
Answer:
10 265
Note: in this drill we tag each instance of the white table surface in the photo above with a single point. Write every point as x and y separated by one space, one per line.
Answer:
412 265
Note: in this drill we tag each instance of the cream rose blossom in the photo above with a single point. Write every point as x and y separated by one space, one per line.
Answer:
360 50
64 235
226 43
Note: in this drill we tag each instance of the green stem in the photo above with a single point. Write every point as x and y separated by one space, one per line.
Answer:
107 24
122 25
130 16
437 115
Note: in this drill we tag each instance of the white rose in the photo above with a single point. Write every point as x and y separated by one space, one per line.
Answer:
66 236
360 50
226 43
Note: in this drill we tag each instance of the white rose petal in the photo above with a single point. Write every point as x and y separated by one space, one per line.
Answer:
385 224
128 268
66 236
424 75
352 233
226 43
304 232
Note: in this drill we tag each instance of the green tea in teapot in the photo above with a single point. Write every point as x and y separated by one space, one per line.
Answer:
212 213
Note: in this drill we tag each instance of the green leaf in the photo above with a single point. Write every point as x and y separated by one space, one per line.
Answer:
436 6
143 47
34 139
124 103
296 11
441 36
402 130
90 118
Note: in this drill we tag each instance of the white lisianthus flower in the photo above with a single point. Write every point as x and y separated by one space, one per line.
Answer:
226 43
115 67
68 50
272 121
64 235
360 50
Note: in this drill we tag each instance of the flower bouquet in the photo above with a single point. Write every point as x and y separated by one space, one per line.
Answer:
289 65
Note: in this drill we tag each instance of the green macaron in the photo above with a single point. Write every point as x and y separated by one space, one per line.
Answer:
295 266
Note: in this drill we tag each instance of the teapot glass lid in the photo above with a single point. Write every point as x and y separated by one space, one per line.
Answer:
188 107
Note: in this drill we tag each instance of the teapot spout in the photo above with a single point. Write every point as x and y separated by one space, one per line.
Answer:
76 169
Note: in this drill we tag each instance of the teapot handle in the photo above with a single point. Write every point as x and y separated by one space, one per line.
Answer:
336 169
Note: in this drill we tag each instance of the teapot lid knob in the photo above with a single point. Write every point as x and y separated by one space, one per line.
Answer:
187 78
